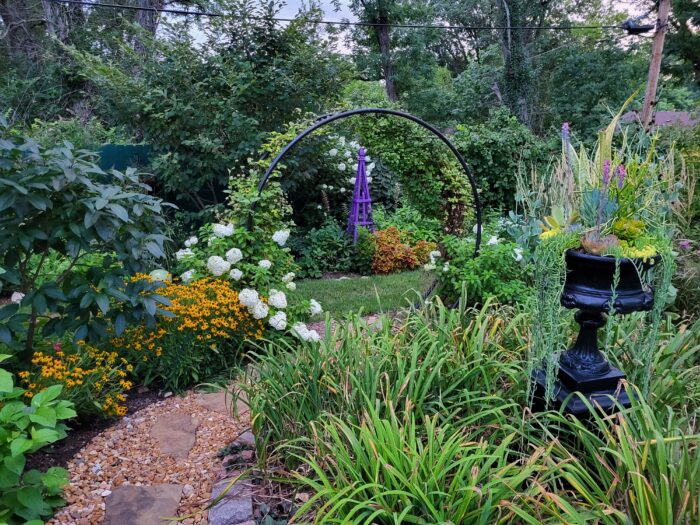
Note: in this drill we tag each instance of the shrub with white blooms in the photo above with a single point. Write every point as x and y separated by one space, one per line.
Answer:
302 332
218 266
315 307
289 277
235 274
192 241
248 297
222 230
185 252
234 255
493 240
187 276
278 321
291 286
260 310
280 237
277 299
265 264
341 167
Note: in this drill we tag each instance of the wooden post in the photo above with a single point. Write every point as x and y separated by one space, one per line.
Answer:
655 64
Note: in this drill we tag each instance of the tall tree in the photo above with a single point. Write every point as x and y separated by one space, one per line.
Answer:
381 13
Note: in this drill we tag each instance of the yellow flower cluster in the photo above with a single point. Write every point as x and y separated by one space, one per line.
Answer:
203 311
548 234
632 252
89 376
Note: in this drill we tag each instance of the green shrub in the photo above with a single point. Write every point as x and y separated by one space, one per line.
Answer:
496 272
494 151
410 219
322 250
57 204
29 496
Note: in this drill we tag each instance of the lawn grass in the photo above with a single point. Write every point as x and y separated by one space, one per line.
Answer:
372 294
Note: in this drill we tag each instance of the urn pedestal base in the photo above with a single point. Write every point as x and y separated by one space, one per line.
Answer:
603 391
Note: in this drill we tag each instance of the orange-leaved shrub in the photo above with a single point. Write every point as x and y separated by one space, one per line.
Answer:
391 255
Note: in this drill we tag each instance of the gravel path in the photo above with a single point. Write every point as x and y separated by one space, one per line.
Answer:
129 453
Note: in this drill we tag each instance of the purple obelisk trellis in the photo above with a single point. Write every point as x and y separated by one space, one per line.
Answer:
361 209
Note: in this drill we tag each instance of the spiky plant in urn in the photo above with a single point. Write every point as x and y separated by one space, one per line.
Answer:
605 251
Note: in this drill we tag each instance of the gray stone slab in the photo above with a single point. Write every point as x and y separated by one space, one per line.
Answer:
146 505
236 506
175 433
222 402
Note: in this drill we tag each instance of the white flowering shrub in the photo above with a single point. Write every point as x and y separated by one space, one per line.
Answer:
259 266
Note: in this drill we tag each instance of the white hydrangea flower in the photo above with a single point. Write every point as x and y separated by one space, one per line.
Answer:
342 141
191 242
333 152
248 297
518 254
354 144
352 181
492 241
217 265
370 168
341 167
291 286
348 154
367 158
302 332
234 255
277 299
355 166
318 206
260 310
280 237
315 308
288 278
369 180
331 187
342 190
187 276
17 297
222 230
185 252
446 267
434 255
265 264
324 186
235 274
278 321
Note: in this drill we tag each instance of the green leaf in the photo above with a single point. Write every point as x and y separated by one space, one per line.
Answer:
55 479
46 395
14 463
20 445
64 410
120 212
5 335
6 381
30 497
102 301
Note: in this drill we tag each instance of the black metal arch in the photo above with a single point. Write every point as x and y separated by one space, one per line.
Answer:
327 119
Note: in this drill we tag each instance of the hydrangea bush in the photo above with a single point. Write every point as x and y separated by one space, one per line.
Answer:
258 265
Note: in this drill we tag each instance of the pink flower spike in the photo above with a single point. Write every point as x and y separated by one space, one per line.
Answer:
606 173
57 347
621 174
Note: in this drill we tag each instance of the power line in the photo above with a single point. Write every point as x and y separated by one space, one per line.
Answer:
186 12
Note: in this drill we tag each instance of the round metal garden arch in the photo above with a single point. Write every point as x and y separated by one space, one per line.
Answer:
327 119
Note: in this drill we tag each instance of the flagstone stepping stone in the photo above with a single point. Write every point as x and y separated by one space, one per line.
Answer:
236 506
221 402
175 433
145 505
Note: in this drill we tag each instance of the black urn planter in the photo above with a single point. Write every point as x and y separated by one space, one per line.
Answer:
583 367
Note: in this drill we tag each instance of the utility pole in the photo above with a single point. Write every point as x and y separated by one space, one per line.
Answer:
655 64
